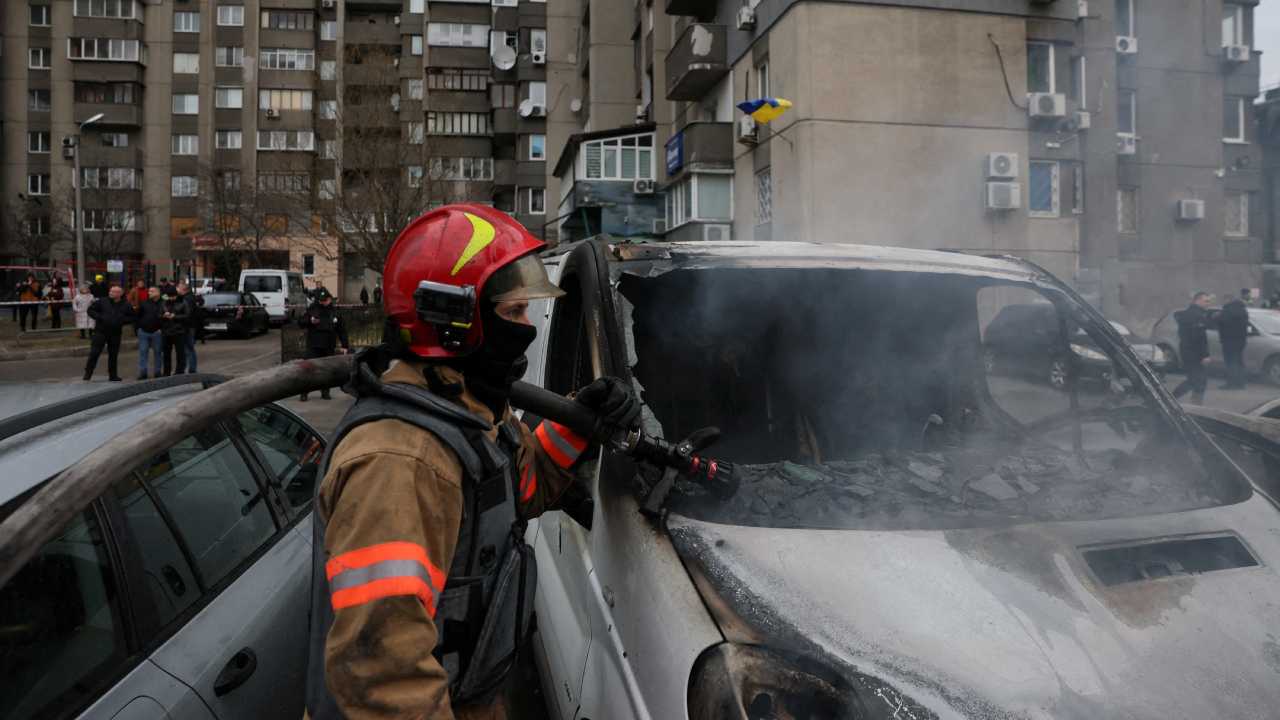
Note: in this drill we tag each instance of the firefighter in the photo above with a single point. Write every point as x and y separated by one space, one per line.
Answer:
325 330
422 583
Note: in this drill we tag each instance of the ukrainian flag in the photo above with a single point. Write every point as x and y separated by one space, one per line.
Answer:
765 109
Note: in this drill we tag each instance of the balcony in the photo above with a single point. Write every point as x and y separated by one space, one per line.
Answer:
367 33
504 172
701 9
388 5
371 74
697 61
112 114
505 121
700 146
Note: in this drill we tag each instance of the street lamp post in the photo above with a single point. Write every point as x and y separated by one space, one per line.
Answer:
76 182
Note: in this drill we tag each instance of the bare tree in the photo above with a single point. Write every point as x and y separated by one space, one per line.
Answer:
34 226
242 219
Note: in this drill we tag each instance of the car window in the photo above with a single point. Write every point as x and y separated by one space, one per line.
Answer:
207 488
170 582
291 450
262 283
61 635
221 299
295 285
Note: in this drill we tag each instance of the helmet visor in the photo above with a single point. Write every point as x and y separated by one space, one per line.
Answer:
524 279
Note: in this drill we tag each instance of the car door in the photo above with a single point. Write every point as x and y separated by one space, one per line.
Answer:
235 580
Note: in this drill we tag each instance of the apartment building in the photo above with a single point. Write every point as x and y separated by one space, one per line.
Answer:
304 133
1108 140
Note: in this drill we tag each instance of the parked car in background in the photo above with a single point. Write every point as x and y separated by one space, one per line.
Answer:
280 291
912 536
235 313
1261 353
204 286
181 593
1022 339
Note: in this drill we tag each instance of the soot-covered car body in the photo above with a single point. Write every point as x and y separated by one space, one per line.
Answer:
912 538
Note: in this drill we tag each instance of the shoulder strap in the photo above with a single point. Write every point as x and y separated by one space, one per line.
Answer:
379 407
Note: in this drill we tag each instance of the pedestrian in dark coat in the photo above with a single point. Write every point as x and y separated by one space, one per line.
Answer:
195 309
325 330
1233 331
174 330
100 287
110 315
28 291
377 294
364 296
1193 346
55 295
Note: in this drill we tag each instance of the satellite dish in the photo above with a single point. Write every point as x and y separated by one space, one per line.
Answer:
526 107
504 57
575 105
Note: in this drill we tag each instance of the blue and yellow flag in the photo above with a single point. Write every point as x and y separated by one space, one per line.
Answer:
765 109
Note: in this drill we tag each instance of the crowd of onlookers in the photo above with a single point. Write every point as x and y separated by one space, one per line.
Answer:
166 318
1231 322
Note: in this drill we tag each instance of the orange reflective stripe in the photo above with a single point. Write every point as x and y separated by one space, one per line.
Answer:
562 444
384 588
578 442
384 570
528 483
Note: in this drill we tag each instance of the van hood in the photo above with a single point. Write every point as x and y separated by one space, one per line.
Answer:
1011 622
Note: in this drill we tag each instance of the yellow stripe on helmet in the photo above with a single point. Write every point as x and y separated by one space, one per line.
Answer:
482 234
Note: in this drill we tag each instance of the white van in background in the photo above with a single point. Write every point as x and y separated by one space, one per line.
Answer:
279 291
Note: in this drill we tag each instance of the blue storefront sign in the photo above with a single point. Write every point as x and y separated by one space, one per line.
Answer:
675 153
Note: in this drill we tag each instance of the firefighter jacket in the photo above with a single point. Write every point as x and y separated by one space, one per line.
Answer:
422 584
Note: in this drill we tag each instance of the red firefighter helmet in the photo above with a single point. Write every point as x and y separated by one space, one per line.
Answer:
443 263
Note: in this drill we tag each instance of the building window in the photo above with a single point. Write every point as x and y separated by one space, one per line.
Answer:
762 80
98 220
228 97
417 6
537 147
227 139
1127 112
498 38
1127 210
231 15
38 58
114 9
457 123
415 133
1079 82
414 89
38 100
281 20
95 178
328 69
1044 189
287 59
1233 24
38 184
1077 188
536 92
185 144
38 142
457 79
284 182
327 188
701 197
414 174
40 15
328 109
228 179
115 139
328 30
764 196
624 158
537 40
1233 120
308 264
504 3
1237 214
184 186
114 49
1040 68
229 56
532 201
457 35
284 100
186 104
286 140
415 45
107 93
1124 18
502 95
186 22
329 149
462 168
186 63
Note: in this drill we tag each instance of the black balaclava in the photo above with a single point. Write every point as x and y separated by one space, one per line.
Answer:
500 359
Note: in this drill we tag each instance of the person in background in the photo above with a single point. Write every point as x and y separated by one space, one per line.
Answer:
1233 332
324 331
80 304
110 314
166 287
28 292
149 323
173 328
1193 346
364 296
194 307
55 295
377 293
100 288
137 294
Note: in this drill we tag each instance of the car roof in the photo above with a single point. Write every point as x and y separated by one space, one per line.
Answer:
30 457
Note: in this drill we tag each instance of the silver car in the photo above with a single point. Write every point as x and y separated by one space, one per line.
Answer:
1261 353
181 593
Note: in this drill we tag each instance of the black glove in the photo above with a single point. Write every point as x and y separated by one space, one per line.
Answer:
613 401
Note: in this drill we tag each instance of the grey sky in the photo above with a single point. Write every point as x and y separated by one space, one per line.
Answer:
1266 36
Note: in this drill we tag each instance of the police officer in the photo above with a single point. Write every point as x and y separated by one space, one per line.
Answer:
422 582
325 330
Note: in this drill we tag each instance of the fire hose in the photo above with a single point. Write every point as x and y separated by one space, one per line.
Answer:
679 459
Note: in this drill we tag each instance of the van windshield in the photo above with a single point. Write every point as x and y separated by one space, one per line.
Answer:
262 283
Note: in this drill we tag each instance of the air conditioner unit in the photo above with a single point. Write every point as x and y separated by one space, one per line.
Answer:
716 233
1082 120
746 17
642 113
329 4
539 58
1126 144
1004 196
1082 9
642 187
1046 105
1191 210
396 20
395 62
538 111
1236 53
747 134
1002 166
1126 45
659 227
273 113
